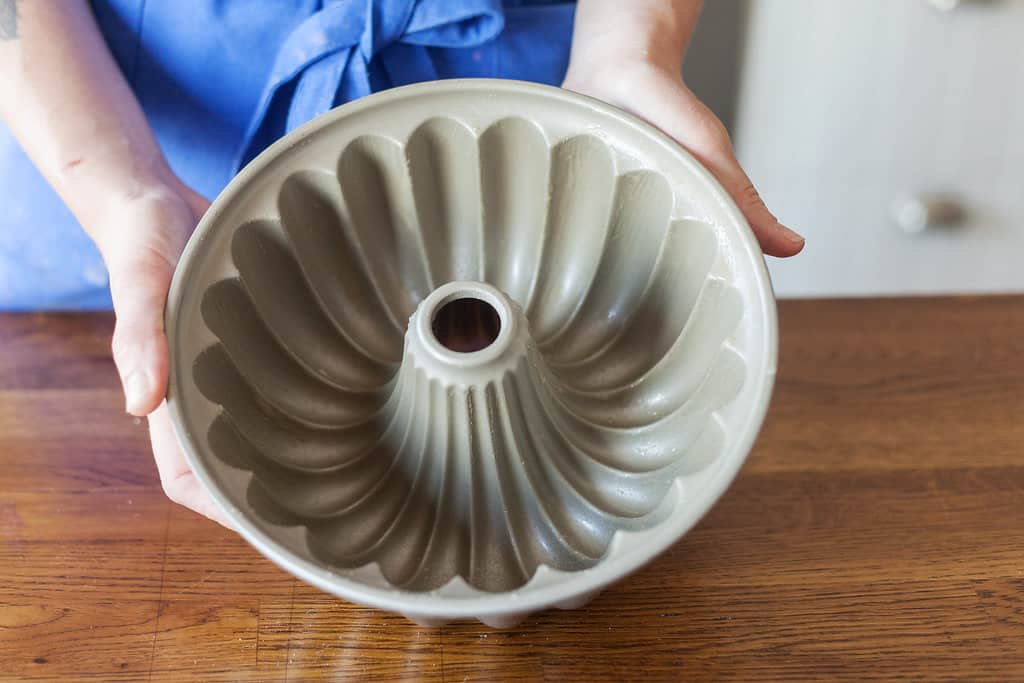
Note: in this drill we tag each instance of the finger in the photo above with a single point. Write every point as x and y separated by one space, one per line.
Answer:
178 481
138 286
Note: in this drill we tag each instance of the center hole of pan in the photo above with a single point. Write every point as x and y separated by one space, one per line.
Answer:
466 324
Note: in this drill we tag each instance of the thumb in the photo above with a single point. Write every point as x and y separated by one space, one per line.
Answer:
138 288
774 237
694 126
141 257
707 139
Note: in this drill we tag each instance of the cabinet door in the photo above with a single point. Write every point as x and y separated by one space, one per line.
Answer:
856 118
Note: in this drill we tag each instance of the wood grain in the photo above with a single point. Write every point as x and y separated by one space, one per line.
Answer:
877 531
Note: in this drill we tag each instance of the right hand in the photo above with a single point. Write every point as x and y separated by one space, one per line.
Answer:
143 237
657 94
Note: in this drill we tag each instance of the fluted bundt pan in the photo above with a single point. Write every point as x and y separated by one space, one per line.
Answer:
470 349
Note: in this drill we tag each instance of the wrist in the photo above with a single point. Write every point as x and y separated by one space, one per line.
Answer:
641 34
94 177
148 204
617 83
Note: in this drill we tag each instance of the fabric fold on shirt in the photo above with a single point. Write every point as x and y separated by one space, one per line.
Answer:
326 60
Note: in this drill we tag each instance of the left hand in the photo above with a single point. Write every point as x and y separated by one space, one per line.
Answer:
658 95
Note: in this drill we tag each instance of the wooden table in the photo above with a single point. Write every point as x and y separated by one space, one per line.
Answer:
877 530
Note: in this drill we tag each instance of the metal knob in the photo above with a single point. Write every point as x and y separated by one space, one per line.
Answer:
917 213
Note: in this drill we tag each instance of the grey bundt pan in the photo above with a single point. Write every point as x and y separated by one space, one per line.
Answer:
593 389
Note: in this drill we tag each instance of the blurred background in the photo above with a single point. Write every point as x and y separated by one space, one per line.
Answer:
889 132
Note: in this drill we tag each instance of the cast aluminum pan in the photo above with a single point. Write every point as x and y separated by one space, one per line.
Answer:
622 349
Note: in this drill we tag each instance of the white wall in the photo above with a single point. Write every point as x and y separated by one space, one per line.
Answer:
844 107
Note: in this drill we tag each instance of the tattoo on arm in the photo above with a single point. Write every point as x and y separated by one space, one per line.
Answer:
8 19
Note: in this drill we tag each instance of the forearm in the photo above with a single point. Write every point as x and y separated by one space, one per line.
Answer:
610 32
67 103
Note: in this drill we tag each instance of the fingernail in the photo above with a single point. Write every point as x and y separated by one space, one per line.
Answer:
792 235
135 389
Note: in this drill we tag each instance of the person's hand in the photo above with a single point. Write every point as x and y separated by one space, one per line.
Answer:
143 237
66 101
658 95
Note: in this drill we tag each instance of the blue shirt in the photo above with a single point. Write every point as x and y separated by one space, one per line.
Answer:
219 80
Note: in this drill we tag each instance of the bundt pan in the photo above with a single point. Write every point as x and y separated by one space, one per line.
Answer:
470 349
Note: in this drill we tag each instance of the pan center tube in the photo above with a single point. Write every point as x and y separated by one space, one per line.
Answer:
469 334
